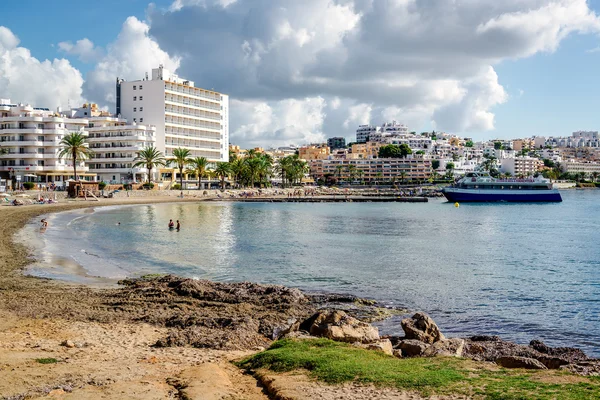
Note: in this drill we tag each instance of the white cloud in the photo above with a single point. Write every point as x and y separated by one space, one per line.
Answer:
426 62
130 56
359 114
42 83
84 49
594 50
290 121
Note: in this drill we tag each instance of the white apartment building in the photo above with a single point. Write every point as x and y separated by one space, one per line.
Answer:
520 166
574 166
31 139
115 144
364 131
184 116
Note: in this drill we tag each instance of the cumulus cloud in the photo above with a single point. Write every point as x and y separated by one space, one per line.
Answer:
280 123
84 49
430 62
130 56
42 83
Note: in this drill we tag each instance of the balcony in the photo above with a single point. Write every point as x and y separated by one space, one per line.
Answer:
22 143
15 130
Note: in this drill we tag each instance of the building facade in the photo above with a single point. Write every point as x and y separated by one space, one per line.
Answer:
184 116
372 170
30 139
336 143
115 144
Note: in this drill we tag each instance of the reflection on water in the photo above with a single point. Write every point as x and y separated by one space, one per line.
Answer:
522 271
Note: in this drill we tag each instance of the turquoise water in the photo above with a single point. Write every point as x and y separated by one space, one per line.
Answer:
522 271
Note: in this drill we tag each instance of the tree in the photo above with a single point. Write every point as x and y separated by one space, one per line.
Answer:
469 143
394 151
222 171
75 147
199 166
548 163
420 152
498 145
149 157
403 176
435 164
339 169
450 166
181 158
595 176
352 172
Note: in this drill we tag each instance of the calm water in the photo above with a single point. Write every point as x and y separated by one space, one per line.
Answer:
521 271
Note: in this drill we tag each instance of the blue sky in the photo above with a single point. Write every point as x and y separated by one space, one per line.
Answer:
549 93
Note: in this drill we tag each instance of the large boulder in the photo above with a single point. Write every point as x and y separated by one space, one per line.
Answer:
384 346
421 327
520 362
339 326
446 348
412 347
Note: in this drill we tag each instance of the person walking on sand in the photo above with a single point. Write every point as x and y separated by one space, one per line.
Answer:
178 226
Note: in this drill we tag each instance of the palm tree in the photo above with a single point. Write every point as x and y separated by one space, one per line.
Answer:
199 165
74 146
222 172
352 172
595 176
339 170
403 176
181 157
237 167
149 157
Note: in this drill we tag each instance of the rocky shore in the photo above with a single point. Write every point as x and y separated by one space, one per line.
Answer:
157 332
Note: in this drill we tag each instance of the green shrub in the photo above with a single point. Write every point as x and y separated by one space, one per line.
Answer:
176 186
28 185
148 185
102 185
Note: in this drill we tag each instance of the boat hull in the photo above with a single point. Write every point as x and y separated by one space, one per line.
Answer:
512 196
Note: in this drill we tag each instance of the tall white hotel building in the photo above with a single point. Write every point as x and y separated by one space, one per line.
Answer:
185 116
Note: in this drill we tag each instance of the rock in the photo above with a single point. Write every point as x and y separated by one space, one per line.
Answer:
412 347
446 348
520 362
292 326
384 346
421 327
339 326
397 353
68 343
485 338
300 335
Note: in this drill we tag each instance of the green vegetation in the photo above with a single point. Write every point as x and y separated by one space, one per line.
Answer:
199 166
176 186
102 185
469 143
181 158
334 362
394 151
75 147
46 360
148 185
435 164
149 157
28 185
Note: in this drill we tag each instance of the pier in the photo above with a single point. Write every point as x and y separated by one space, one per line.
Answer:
329 199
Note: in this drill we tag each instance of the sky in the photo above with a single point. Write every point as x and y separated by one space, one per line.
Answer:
301 71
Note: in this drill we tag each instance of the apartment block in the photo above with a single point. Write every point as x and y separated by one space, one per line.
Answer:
30 137
184 115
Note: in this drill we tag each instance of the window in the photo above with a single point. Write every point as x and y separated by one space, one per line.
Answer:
141 119
134 87
140 87
134 109
141 98
141 108
135 120
134 98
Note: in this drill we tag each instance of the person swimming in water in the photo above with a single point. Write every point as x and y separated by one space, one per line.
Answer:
44 223
178 226
171 224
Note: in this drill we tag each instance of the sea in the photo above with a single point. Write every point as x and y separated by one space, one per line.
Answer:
520 271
